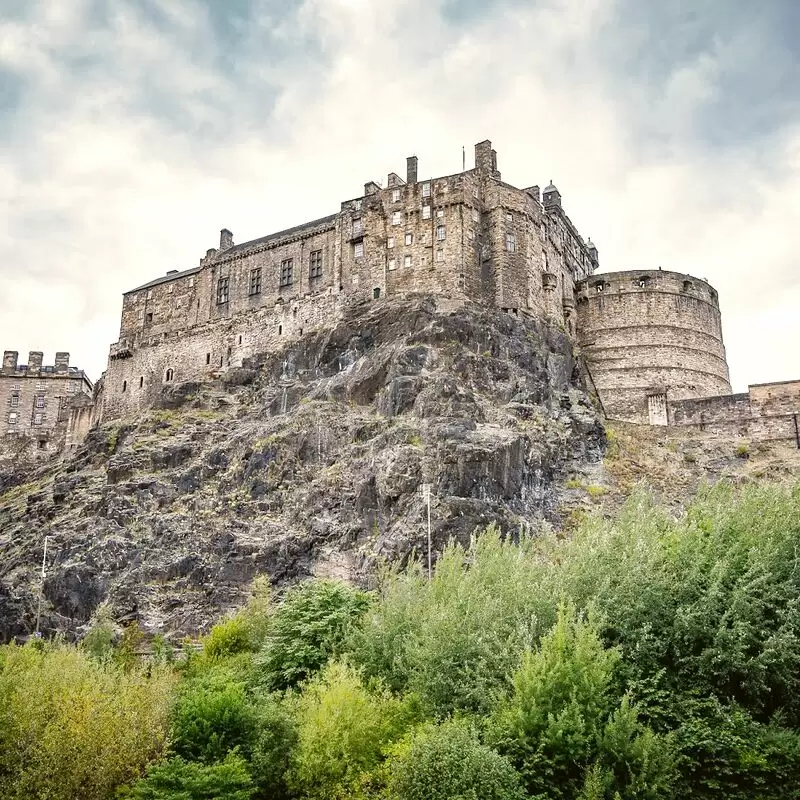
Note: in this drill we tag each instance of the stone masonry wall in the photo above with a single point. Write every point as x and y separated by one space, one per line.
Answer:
467 236
651 334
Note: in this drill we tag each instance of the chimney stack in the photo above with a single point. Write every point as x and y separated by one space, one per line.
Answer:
411 169
10 360
225 239
35 361
62 362
371 188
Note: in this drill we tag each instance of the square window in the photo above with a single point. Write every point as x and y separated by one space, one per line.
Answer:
149 294
395 195
14 400
358 226
426 212
315 265
13 417
287 270
440 255
141 313
470 234
440 233
255 281
397 217
440 213
357 205
222 290
149 316
509 217
171 288
475 215
191 282
39 401
37 418
406 261
511 243
392 264
409 238
426 189
390 242
358 249
474 191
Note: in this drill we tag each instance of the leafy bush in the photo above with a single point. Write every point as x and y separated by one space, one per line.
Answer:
177 779
212 717
306 630
228 638
71 726
273 744
447 761
343 730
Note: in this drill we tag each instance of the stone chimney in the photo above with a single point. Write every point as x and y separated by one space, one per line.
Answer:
225 239
411 169
371 188
35 361
483 156
10 360
393 179
535 192
62 362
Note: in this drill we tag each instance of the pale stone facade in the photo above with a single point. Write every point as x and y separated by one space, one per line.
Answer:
468 236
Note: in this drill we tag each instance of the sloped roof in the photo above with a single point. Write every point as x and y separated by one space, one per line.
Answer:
238 248
166 279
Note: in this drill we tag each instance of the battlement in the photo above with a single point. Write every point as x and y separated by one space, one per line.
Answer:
35 367
646 281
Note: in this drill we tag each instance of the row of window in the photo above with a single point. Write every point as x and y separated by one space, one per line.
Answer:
13 418
38 401
286 276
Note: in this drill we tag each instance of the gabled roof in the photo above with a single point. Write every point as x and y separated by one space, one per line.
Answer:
239 248
174 276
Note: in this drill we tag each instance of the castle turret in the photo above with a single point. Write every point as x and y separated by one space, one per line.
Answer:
593 255
551 197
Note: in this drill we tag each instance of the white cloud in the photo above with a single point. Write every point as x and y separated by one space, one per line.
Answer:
121 169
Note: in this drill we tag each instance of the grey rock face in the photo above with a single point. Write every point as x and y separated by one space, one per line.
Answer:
305 463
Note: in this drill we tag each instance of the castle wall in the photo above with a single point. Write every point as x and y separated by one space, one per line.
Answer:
651 337
464 236
767 412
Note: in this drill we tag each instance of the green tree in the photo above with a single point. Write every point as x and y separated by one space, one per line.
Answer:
177 779
306 630
212 716
72 726
274 742
343 730
448 762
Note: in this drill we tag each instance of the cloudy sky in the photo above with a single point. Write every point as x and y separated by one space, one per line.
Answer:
131 131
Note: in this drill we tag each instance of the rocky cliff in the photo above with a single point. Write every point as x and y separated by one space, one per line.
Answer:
308 462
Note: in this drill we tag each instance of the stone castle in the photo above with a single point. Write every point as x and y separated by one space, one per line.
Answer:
651 340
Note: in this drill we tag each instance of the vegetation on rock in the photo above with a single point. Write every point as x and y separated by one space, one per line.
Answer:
644 657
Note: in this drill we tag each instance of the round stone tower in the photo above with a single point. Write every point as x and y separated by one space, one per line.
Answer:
649 337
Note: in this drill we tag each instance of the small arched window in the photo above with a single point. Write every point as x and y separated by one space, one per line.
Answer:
170 374
124 386
376 293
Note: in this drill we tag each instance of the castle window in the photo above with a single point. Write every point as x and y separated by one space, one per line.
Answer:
240 340
392 264
287 269
440 213
315 265
169 375
426 211
14 400
149 294
124 386
255 281
390 242
13 417
141 313
687 286
222 290
643 281
191 282
358 226
37 418
280 330
376 293
357 205
397 217
358 250
599 287
149 316
475 215
141 381
406 261
509 217
39 401
409 238
440 233
171 288
426 189
511 243
208 358
475 191
440 254
395 195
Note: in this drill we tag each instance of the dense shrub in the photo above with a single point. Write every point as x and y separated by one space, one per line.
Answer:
306 630
177 779
273 744
447 761
72 726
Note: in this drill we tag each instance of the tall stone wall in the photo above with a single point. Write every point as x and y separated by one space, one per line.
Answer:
651 337
467 236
